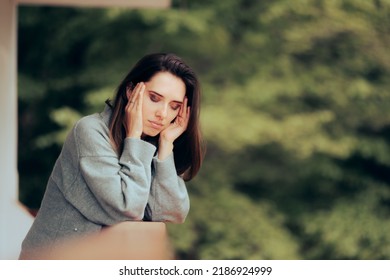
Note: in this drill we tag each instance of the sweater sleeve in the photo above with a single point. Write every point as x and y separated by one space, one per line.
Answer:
121 188
110 190
168 200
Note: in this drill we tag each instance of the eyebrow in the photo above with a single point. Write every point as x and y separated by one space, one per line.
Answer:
156 93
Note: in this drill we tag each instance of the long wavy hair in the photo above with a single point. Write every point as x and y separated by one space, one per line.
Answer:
189 148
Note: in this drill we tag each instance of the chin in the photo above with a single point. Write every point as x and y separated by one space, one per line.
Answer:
149 133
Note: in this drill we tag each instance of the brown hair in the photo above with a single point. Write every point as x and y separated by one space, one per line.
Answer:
188 148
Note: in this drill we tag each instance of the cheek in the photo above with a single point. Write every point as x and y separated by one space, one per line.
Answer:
172 116
147 106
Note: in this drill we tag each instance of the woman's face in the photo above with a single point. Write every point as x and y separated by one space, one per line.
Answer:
164 94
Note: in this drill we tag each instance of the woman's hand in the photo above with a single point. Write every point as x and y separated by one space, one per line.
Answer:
174 130
178 126
133 112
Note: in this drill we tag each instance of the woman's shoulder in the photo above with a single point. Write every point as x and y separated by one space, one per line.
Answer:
89 122
90 136
94 123
91 130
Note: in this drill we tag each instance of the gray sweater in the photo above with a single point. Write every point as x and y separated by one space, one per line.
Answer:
91 187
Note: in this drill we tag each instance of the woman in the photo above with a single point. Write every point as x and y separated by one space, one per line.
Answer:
128 163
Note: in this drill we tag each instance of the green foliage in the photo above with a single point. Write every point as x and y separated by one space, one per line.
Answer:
294 112
230 225
353 229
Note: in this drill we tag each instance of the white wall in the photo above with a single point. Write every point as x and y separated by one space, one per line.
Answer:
14 219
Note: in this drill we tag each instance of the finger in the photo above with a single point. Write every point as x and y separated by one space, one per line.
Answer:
184 108
140 94
181 110
134 93
134 97
128 95
187 118
130 90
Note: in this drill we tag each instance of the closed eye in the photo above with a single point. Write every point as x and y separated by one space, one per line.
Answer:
154 98
176 107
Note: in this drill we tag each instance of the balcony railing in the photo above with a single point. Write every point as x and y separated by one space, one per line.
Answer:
125 241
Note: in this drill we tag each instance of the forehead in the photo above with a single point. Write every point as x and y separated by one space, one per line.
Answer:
168 85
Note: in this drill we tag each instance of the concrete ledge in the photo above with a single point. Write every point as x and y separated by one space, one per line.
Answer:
125 241
101 3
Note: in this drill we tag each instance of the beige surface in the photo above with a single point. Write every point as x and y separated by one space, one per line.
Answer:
102 3
125 241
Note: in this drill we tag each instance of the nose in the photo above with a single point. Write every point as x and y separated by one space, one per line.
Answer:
162 111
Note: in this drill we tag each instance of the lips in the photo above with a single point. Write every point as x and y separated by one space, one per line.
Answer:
156 125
